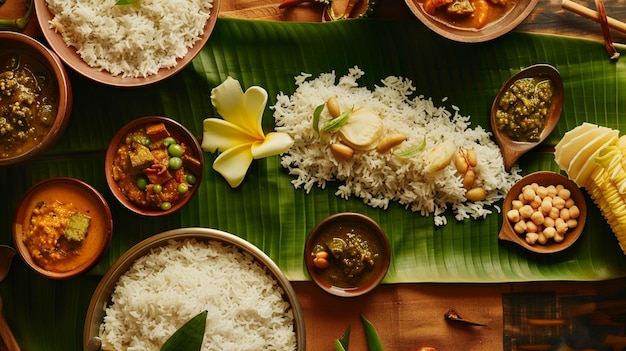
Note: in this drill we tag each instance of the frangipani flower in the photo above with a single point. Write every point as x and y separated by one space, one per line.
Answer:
239 135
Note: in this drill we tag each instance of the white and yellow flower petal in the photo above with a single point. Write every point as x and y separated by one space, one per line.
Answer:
233 164
275 143
242 109
221 135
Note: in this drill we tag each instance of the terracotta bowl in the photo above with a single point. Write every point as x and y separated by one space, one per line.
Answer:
31 55
79 197
495 29
69 55
336 226
544 178
182 135
102 294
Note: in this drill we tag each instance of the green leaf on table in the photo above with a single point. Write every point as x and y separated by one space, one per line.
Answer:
371 335
188 337
342 343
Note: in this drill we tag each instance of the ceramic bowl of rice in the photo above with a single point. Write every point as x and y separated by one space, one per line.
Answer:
164 281
127 43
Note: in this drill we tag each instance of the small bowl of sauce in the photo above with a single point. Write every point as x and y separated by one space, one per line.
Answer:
62 227
347 254
526 110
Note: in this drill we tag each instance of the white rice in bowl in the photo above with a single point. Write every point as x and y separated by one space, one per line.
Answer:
380 178
165 288
134 40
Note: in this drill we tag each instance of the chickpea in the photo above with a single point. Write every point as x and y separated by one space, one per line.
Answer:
517 204
574 212
542 239
537 218
554 213
542 191
561 226
534 186
531 227
513 216
549 232
551 190
528 194
546 205
536 202
571 223
526 211
531 238
558 237
520 227
564 214
565 193
558 202
569 203
548 222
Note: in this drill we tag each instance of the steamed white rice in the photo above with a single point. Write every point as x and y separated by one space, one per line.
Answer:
381 178
167 287
134 40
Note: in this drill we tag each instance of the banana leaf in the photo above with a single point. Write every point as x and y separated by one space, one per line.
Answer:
266 210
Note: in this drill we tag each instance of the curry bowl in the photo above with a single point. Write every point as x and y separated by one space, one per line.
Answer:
479 21
99 41
514 141
30 71
543 216
62 227
154 165
347 254
190 270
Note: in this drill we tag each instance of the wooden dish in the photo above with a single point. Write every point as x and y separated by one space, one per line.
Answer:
71 58
88 201
341 223
544 178
512 150
515 16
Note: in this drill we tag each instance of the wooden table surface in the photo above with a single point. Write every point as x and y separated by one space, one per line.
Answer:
410 316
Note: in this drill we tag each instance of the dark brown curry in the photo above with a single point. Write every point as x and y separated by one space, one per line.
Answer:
28 103
468 14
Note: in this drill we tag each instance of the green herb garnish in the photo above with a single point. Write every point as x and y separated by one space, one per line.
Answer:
188 337
341 344
411 151
371 335
335 124
316 118
125 2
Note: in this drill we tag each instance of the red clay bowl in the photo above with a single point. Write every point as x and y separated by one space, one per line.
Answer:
544 178
520 10
32 56
358 227
78 197
183 137
69 55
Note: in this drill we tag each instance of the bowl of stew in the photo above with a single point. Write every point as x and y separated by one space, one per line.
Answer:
471 21
154 165
347 254
62 227
36 98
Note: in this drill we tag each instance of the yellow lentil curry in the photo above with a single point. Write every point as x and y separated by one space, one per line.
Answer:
28 103
63 231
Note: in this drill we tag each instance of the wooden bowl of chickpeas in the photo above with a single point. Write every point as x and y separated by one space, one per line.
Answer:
544 212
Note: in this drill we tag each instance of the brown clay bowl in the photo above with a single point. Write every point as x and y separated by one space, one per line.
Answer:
493 30
545 178
512 150
72 59
35 57
182 136
84 199
337 225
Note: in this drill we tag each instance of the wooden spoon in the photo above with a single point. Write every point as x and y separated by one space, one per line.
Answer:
6 336
512 150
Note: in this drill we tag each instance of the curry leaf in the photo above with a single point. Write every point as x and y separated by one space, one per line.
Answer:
188 337
125 2
316 118
336 124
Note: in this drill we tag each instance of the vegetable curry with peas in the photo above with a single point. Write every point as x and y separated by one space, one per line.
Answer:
468 14
153 169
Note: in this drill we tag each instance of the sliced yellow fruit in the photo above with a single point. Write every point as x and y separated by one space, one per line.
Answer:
569 135
569 150
362 130
588 151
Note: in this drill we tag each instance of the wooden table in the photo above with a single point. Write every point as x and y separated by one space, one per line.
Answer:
410 316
